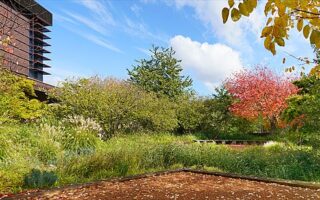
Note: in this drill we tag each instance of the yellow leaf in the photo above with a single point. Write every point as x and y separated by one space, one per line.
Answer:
269 20
315 37
315 70
253 3
225 15
280 41
243 9
281 9
235 14
306 31
249 7
266 31
283 33
276 31
317 44
231 3
267 42
315 22
273 48
300 24
267 7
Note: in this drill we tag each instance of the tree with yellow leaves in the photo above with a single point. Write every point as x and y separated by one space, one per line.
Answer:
283 15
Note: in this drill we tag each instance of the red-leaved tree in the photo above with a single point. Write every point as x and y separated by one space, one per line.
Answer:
260 93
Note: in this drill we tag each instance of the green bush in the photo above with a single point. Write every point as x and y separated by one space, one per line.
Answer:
17 101
79 141
39 179
117 106
190 113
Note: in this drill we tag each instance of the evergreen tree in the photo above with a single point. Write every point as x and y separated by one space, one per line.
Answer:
160 74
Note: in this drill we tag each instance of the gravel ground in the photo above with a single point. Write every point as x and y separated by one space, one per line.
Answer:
181 185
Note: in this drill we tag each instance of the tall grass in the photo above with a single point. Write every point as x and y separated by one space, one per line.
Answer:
137 154
25 149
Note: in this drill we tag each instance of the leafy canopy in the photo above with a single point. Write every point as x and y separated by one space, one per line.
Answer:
283 15
303 109
259 93
218 118
160 74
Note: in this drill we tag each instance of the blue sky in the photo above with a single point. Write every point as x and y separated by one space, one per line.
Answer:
101 37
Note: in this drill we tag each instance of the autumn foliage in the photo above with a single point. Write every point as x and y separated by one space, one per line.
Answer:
260 93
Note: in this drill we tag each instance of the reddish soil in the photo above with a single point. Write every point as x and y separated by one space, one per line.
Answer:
181 185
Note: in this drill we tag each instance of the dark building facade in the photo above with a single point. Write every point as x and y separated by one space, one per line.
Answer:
26 22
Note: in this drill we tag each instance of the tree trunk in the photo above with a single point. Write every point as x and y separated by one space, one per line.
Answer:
273 124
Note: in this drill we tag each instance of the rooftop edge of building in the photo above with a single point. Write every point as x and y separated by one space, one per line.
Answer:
34 8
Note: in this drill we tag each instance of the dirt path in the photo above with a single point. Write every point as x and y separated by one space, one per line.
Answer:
182 185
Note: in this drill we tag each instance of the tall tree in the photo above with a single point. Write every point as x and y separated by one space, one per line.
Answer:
259 93
283 15
303 109
160 74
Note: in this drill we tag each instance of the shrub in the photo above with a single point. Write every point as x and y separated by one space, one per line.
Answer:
39 179
79 141
117 106
17 101
190 113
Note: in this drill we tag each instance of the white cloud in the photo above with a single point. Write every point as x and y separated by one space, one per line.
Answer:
99 8
62 18
211 63
100 19
239 34
88 22
136 9
148 1
101 42
139 29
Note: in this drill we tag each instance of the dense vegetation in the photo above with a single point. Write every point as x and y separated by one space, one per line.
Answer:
100 128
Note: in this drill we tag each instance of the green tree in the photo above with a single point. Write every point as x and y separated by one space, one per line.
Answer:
189 109
303 109
160 74
218 118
